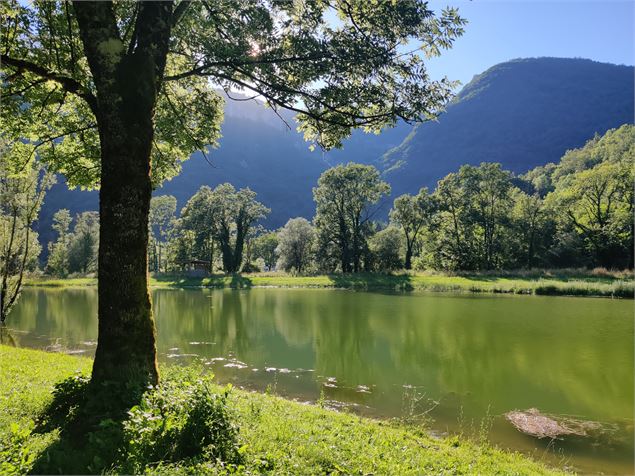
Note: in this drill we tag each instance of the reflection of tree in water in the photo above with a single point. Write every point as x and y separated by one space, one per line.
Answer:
69 315
552 353
345 345
514 351
219 316
6 337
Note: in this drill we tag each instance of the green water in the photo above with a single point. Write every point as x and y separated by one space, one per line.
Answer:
467 359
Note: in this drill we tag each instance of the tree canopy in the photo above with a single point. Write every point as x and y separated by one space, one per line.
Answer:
346 201
339 65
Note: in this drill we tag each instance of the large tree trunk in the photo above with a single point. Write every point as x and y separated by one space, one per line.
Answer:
127 84
126 348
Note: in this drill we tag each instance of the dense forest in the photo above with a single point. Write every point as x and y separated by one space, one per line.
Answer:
576 213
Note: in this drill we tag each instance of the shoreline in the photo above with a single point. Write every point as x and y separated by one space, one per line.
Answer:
541 285
288 435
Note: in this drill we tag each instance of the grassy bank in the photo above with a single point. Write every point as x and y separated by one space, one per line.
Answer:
274 435
560 282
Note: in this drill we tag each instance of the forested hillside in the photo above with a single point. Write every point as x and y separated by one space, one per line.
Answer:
522 114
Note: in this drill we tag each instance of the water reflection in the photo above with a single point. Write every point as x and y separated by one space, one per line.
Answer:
473 354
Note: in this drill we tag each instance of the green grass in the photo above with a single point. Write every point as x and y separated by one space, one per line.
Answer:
541 282
275 435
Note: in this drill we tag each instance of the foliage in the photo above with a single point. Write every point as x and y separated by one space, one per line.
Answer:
57 263
224 216
76 251
411 214
295 246
194 231
161 221
265 248
488 219
470 226
84 243
596 202
23 185
385 247
281 51
180 420
346 199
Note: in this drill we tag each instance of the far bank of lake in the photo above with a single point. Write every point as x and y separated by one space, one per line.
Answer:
554 283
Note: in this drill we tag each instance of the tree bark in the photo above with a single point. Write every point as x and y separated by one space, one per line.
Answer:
408 261
127 86
126 347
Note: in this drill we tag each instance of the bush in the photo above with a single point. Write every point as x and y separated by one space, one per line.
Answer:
182 422
16 456
176 422
385 246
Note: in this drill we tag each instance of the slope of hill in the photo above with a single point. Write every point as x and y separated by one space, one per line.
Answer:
521 113
257 150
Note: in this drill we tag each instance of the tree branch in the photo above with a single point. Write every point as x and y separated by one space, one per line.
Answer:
200 70
69 84
179 11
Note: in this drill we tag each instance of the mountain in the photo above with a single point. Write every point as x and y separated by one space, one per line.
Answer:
521 113
258 150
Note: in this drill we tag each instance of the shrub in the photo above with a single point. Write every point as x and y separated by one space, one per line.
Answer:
180 422
175 422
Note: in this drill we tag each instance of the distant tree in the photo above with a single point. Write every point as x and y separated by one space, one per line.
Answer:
475 205
598 203
411 214
265 247
295 242
199 217
84 243
224 216
540 178
453 244
180 248
345 199
161 221
236 211
385 246
249 249
57 263
592 202
23 185
530 229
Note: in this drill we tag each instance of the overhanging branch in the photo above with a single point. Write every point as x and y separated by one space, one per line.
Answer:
69 84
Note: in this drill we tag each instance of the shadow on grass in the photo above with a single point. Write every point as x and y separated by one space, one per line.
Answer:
234 281
373 281
119 428
90 424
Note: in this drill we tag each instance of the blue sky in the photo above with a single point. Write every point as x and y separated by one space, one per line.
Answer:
502 30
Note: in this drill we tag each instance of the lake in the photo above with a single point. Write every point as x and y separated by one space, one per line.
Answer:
460 361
